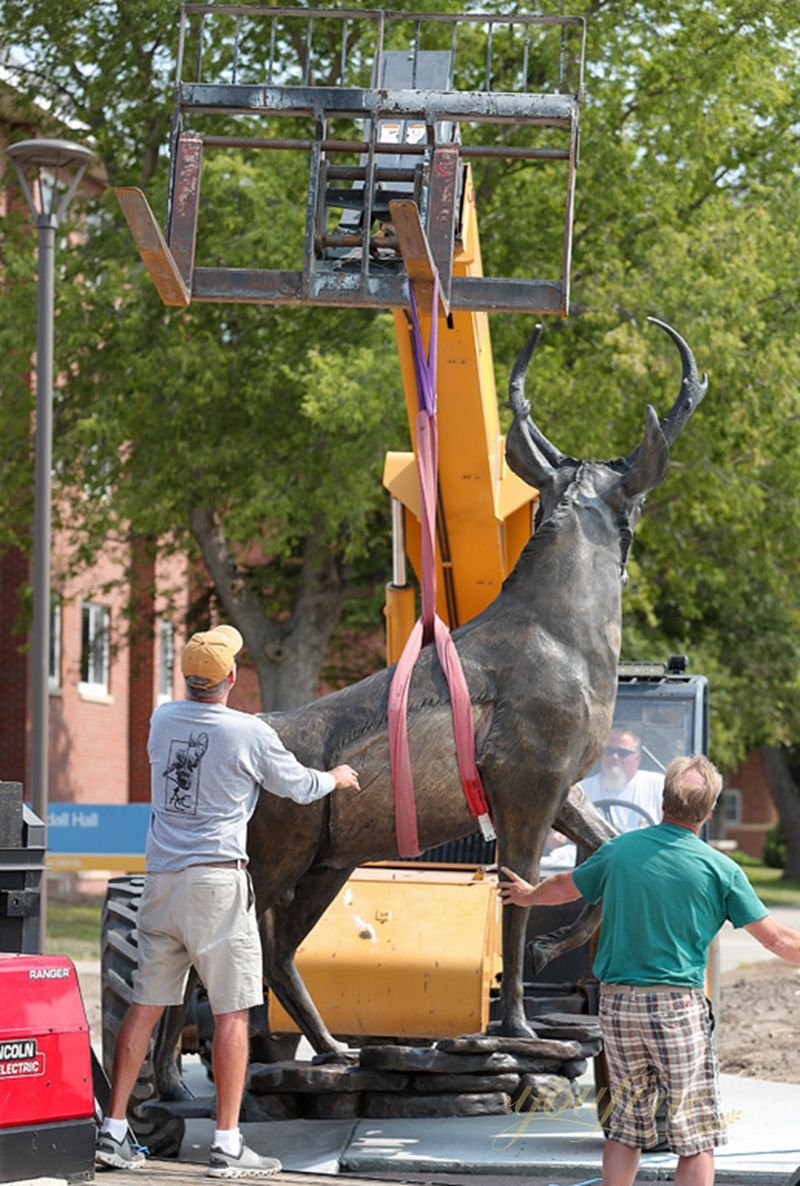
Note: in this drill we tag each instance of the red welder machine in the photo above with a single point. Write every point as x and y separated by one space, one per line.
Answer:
47 1109
47 1093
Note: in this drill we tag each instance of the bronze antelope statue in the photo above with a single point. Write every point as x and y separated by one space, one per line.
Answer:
541 666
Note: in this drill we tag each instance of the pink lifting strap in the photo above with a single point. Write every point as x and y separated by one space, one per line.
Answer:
429 625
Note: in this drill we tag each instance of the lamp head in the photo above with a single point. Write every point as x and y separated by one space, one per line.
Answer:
64 160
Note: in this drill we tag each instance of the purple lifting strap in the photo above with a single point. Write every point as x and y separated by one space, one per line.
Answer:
429 625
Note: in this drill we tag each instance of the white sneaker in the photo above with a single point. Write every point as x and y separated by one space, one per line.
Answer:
247 1164
118 1155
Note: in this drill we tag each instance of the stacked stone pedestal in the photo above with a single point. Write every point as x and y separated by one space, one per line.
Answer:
471 1075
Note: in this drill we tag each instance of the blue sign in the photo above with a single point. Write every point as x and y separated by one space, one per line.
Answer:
104 829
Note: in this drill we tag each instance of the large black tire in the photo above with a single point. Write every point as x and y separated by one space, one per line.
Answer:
119 958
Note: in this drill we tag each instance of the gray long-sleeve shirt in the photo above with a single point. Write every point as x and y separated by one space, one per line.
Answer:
208 763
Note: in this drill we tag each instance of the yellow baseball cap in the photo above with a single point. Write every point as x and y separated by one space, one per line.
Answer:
208 656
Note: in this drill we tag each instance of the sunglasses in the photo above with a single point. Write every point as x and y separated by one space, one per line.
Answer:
618 751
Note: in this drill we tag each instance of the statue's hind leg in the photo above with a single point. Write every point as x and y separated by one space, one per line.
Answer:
579 819
285 925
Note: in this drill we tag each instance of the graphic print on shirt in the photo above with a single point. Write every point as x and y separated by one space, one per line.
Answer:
182 774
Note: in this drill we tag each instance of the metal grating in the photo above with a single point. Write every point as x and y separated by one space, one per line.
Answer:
383 103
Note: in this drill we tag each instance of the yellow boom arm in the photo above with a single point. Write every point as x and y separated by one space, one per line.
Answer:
484 510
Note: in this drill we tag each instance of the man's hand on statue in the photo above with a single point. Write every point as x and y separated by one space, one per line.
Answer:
516 891
345 778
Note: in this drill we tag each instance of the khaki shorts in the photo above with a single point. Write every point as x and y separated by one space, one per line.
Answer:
658 1046
203 916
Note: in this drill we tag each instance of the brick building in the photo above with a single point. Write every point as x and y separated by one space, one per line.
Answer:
108 668
107 673
747 809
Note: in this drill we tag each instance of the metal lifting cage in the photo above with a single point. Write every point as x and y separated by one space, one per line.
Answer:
422 96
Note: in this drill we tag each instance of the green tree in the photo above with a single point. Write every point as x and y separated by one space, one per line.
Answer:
687 208
253 436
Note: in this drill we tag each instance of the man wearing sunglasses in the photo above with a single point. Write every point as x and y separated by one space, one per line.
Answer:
621 779
618 781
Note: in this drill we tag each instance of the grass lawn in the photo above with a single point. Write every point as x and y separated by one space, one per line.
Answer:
73 924
769 883
73 927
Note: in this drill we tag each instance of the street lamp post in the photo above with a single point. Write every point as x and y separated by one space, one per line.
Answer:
57 167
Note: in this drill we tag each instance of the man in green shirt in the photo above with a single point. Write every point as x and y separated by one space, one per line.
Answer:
665 894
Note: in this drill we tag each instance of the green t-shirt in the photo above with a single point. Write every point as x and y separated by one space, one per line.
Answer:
665 894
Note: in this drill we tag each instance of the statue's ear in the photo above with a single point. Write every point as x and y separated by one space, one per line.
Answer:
647 466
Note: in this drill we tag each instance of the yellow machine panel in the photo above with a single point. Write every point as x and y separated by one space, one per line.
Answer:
403 951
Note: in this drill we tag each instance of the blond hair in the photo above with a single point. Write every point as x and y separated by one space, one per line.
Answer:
691 788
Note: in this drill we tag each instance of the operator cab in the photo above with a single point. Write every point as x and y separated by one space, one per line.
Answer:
661 712
666 708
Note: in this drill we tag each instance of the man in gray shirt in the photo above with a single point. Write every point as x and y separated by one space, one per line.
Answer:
208 764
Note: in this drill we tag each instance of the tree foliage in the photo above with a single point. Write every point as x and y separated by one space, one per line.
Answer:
264 429
687 209
252 435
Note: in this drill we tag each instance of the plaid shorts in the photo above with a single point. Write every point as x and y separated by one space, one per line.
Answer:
659 1046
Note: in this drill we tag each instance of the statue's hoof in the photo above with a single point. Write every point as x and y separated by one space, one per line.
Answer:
514 1030
539 955
344 1057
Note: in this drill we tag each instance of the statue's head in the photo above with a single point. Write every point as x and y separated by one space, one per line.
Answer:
621 485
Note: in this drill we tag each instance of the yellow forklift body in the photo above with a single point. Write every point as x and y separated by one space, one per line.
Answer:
485 509
400 612
409 951
403 951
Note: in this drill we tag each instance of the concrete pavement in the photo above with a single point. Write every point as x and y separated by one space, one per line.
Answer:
738 947
558 1149
763 1117
763 1148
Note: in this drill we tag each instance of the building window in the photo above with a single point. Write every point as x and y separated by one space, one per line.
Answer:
732 806
94 647
166 661
54 656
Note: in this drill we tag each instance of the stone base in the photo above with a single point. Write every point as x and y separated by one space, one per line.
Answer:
345 1105
471 1075
379 1106
268 1107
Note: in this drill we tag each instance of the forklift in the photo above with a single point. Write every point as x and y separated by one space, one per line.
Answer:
394 111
